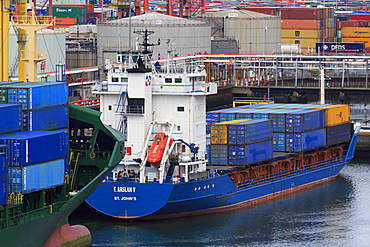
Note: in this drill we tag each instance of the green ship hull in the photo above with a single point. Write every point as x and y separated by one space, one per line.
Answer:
32 220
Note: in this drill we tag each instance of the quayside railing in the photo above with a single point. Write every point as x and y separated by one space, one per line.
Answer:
288 173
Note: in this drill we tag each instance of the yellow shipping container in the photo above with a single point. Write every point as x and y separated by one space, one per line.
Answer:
300 33
358 40
305 43
219 131
309 50
336 114
356 32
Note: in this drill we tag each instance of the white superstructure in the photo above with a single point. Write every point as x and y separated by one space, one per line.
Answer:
168 97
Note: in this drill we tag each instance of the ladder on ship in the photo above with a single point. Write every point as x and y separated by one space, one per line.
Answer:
121 100
73 164
170 171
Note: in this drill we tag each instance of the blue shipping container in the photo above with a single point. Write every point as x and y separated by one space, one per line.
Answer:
338 134
262 113
278 142
31 147
3 192
46 119
3 148
10 118
219 154
40 95
233 157
305 120
249 131
253 153
3 165
36 177
298 142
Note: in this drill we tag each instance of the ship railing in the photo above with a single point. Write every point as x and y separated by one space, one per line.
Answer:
176 68
135 178
199 87
290 172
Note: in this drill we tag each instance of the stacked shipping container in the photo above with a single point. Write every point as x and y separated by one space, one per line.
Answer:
44 105
241 142
34 141
295 127
303 26
307 26
356 35
67 14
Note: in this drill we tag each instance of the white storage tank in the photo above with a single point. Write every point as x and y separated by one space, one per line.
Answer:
256 33
186 36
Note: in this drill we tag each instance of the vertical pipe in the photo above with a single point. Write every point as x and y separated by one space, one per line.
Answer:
296 73
343 74
276 71
50 8
146 6
322 86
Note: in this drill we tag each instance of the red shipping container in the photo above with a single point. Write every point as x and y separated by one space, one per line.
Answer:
268 11
303 13
342 24
359 17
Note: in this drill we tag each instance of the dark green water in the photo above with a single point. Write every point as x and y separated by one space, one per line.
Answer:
333 214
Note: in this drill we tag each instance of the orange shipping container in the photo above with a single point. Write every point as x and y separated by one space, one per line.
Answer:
65 22
358 40
300 24
356 32
336 114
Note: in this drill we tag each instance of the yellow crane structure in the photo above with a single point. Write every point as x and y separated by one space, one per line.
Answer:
4 36
28 24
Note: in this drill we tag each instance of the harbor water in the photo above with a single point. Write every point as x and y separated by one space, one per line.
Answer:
336 213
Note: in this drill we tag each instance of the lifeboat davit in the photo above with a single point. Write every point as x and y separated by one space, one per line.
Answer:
157 149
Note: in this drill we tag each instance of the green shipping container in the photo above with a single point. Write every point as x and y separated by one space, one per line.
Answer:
68 11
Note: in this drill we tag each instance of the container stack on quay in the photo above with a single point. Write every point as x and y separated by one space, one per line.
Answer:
295 128
34 140
307 26
356 35
72 14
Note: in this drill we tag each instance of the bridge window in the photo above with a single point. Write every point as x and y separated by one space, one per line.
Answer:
124 79
76 93
114 79
178 80
168 80
136 105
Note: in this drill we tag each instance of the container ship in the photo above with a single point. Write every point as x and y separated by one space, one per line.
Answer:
183 161
52 154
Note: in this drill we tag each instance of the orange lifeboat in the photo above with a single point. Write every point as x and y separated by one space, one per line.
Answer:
157 149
